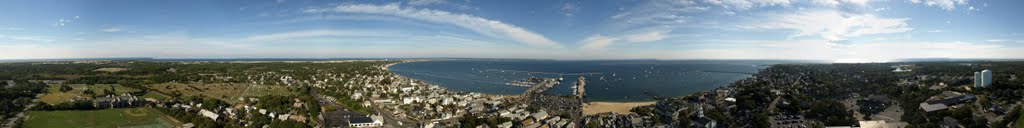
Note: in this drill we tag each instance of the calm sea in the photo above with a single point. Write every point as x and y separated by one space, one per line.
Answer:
613 80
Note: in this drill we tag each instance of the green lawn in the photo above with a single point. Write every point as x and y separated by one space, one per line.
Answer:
154 95
106 118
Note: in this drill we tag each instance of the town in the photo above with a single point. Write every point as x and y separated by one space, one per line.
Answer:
365 94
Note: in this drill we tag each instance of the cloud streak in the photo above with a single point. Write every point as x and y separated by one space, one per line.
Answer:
480 25
319 33
834 25
947 5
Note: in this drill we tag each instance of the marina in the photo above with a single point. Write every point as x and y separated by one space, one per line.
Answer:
613 81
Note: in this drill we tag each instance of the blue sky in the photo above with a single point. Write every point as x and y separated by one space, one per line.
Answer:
839 30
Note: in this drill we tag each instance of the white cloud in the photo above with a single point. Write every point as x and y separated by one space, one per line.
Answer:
748 4
695 9
997 40
947 5
837 3
569 9
647 36
480 25
597 42
65 21
425 2
29 38
937 30
61 22
111 30
319 33
834 25
657 13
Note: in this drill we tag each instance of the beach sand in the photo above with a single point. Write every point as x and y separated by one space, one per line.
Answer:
617 107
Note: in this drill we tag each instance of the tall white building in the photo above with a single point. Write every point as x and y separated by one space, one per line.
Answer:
977 79
986 78
983 79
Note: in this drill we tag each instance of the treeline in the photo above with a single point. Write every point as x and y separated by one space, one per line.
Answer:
72 105
145 72
14 98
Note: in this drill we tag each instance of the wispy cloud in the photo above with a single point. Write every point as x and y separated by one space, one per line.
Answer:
484 26
748 4
65 21
320 33
947 5
570 9
111 30
837 3
647 36
833 25
29 38
425 2
597 42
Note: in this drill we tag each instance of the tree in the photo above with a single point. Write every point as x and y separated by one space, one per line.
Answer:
88 91
65 88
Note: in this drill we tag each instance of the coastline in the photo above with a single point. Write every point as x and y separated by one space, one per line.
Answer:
592 108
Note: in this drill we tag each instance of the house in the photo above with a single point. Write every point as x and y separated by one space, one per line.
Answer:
208 114
701 121
540 115
407 88
365 121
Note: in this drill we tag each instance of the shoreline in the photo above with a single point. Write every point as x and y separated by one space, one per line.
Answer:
598 107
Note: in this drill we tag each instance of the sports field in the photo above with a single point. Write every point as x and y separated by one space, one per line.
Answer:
106 118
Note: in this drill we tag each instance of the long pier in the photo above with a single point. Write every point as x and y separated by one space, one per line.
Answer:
579 89
539 88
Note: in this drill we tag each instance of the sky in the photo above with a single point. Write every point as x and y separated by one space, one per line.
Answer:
836 30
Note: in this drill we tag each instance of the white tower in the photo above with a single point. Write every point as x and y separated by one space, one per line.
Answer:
977 79
986 78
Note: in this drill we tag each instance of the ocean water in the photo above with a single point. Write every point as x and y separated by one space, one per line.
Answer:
611 80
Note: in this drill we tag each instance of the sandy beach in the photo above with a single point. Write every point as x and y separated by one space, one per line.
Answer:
617 107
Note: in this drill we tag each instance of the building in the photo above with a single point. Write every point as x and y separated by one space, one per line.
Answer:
117 101
983 79
701 121
944 100
365 121
986 78
881 124
209 114
977 79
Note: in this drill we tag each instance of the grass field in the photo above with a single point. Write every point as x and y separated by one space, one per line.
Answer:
110 69
57 98
228 92
154 95
106 118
